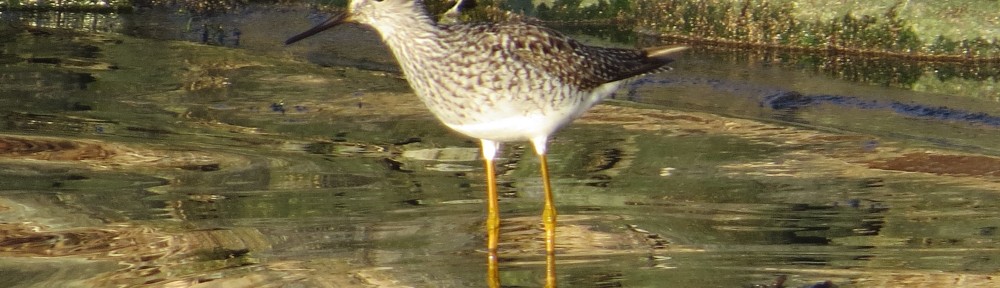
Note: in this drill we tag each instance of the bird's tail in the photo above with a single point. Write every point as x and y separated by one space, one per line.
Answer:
666 53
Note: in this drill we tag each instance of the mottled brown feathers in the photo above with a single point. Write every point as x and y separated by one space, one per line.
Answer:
561 57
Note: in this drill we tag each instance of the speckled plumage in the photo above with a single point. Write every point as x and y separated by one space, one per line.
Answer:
521 74
500 81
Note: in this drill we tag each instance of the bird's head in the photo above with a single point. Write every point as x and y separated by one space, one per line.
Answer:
384 15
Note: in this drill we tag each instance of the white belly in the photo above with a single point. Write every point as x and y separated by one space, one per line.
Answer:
514 124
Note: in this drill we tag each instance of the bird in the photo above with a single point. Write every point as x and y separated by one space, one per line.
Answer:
500 82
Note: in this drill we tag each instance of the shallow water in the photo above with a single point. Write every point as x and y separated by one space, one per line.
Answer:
132 154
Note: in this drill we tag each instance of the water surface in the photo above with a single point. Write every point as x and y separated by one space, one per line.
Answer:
136 152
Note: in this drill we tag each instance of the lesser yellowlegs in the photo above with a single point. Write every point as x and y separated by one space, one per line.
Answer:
500 82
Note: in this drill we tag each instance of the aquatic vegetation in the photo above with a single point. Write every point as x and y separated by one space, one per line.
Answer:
883 29
100 6
776 24
770 24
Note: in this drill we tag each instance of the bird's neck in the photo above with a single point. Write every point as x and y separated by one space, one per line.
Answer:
412 38
404 23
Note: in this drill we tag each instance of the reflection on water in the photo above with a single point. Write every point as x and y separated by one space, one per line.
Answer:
130 161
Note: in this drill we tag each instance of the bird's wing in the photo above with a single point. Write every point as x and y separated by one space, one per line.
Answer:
573 62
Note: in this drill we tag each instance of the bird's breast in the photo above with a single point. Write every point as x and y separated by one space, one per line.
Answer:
490 95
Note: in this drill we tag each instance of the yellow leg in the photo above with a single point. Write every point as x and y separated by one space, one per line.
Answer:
549 211
549 221
492 215
548 214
